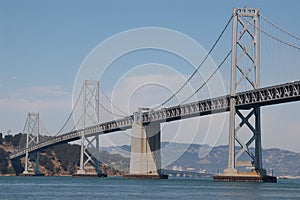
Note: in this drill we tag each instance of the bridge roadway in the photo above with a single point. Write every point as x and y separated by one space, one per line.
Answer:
277 94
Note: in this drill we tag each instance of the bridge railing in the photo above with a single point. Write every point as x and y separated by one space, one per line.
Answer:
283 93
117 125
269 95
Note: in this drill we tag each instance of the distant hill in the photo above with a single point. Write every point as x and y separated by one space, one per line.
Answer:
63 159
282 162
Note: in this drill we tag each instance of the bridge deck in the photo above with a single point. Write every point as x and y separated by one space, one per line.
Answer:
277 94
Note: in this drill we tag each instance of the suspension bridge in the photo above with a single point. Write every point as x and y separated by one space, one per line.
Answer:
145 159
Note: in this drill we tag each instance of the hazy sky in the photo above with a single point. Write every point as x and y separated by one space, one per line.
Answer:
44 43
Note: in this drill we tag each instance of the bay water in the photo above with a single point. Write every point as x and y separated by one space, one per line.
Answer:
68 188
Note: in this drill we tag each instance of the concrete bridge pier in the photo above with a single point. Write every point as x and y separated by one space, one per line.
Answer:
145 158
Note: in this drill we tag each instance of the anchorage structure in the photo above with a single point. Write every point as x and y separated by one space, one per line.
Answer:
90 145
245 72
32 128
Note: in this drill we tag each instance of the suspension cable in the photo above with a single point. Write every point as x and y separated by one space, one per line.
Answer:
25 125
101 107
201 64
110 112
272 36
279 28
111 103
215 71
77 123
68 119
42 125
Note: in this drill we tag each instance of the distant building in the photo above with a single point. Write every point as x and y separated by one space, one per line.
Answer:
191 169
177 168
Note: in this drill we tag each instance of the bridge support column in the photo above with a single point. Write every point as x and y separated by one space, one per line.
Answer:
145 158
32 138
90 146
245 72
90 154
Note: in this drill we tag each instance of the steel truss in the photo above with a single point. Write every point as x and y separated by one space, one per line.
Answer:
90 146
32 138
245 71
283 93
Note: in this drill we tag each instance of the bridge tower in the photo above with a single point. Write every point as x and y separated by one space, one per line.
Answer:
90 146
145 158
32 129
245 72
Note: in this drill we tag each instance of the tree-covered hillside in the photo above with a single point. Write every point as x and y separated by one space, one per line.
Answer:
62 159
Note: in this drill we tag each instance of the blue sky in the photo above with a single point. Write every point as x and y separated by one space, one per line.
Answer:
43 44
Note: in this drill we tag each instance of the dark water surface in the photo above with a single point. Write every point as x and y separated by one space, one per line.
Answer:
68 188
